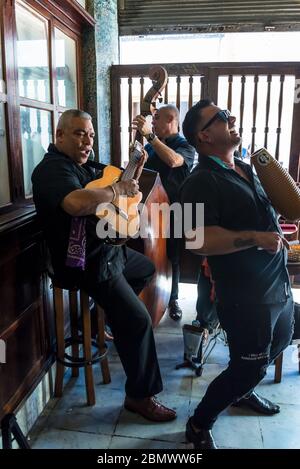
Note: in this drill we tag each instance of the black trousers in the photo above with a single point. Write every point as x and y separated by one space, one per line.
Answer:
206 309
256 336
173 252
130 324
174 247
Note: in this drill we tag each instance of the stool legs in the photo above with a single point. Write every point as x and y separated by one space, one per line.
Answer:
74 328
101 344
278 368
87 347
60 340
75 360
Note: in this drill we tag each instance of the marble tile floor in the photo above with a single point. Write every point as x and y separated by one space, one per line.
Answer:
69 423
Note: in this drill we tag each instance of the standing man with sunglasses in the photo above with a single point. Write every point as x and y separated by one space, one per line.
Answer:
247 256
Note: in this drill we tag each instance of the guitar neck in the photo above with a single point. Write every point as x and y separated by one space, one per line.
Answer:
129 172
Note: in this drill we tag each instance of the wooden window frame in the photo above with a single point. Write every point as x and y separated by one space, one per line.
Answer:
68 17
210 73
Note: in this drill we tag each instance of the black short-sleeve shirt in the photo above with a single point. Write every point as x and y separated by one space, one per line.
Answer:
250 276
53 179
172 178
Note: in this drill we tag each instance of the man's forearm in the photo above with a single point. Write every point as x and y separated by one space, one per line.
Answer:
166 154
247 242
83 202
218 241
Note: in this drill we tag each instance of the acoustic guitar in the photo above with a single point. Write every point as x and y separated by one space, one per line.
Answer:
122 214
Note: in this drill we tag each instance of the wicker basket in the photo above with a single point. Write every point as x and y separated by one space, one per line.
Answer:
294 254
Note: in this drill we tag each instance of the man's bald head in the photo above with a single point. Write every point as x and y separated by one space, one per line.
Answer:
166 121
171 111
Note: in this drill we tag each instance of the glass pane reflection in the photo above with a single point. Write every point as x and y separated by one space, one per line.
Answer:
4 174
2 84
65 64
82 3
32 53
36 135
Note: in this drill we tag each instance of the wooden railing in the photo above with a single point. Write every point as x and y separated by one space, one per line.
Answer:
261 95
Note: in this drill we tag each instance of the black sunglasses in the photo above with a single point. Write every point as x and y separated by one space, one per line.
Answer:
221 115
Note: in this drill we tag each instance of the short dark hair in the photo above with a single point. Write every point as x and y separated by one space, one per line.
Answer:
66 116
192 119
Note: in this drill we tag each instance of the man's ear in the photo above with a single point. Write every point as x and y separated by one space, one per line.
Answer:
204 136
59 133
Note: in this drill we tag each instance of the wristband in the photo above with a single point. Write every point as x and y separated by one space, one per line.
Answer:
114 192
150 137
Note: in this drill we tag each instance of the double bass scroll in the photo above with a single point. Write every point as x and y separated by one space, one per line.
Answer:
159 77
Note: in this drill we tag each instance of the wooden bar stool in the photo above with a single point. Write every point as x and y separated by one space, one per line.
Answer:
77 359
295 341
293 270
278 366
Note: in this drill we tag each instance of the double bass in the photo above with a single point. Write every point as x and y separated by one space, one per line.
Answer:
157 294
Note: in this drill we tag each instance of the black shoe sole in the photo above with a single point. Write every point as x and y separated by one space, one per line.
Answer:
191 437
175 317
188 436
258 410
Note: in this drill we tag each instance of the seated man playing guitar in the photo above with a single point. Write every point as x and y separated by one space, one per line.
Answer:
113 275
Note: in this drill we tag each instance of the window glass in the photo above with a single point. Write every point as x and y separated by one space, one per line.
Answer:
65 65
36 136
4 176
82 3
2 84
32 55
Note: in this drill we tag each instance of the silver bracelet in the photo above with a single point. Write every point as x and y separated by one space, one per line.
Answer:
114 191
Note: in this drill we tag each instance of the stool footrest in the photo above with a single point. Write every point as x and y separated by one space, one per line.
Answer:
74 362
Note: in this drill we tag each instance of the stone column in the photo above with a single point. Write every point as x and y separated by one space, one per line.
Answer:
100 51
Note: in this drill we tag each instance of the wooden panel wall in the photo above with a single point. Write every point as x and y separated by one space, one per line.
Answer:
26 323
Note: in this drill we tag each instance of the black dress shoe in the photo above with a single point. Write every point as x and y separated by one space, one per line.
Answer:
258 403
201 439
175 312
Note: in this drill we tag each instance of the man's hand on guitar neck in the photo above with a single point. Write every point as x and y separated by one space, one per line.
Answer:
140 165
129 188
